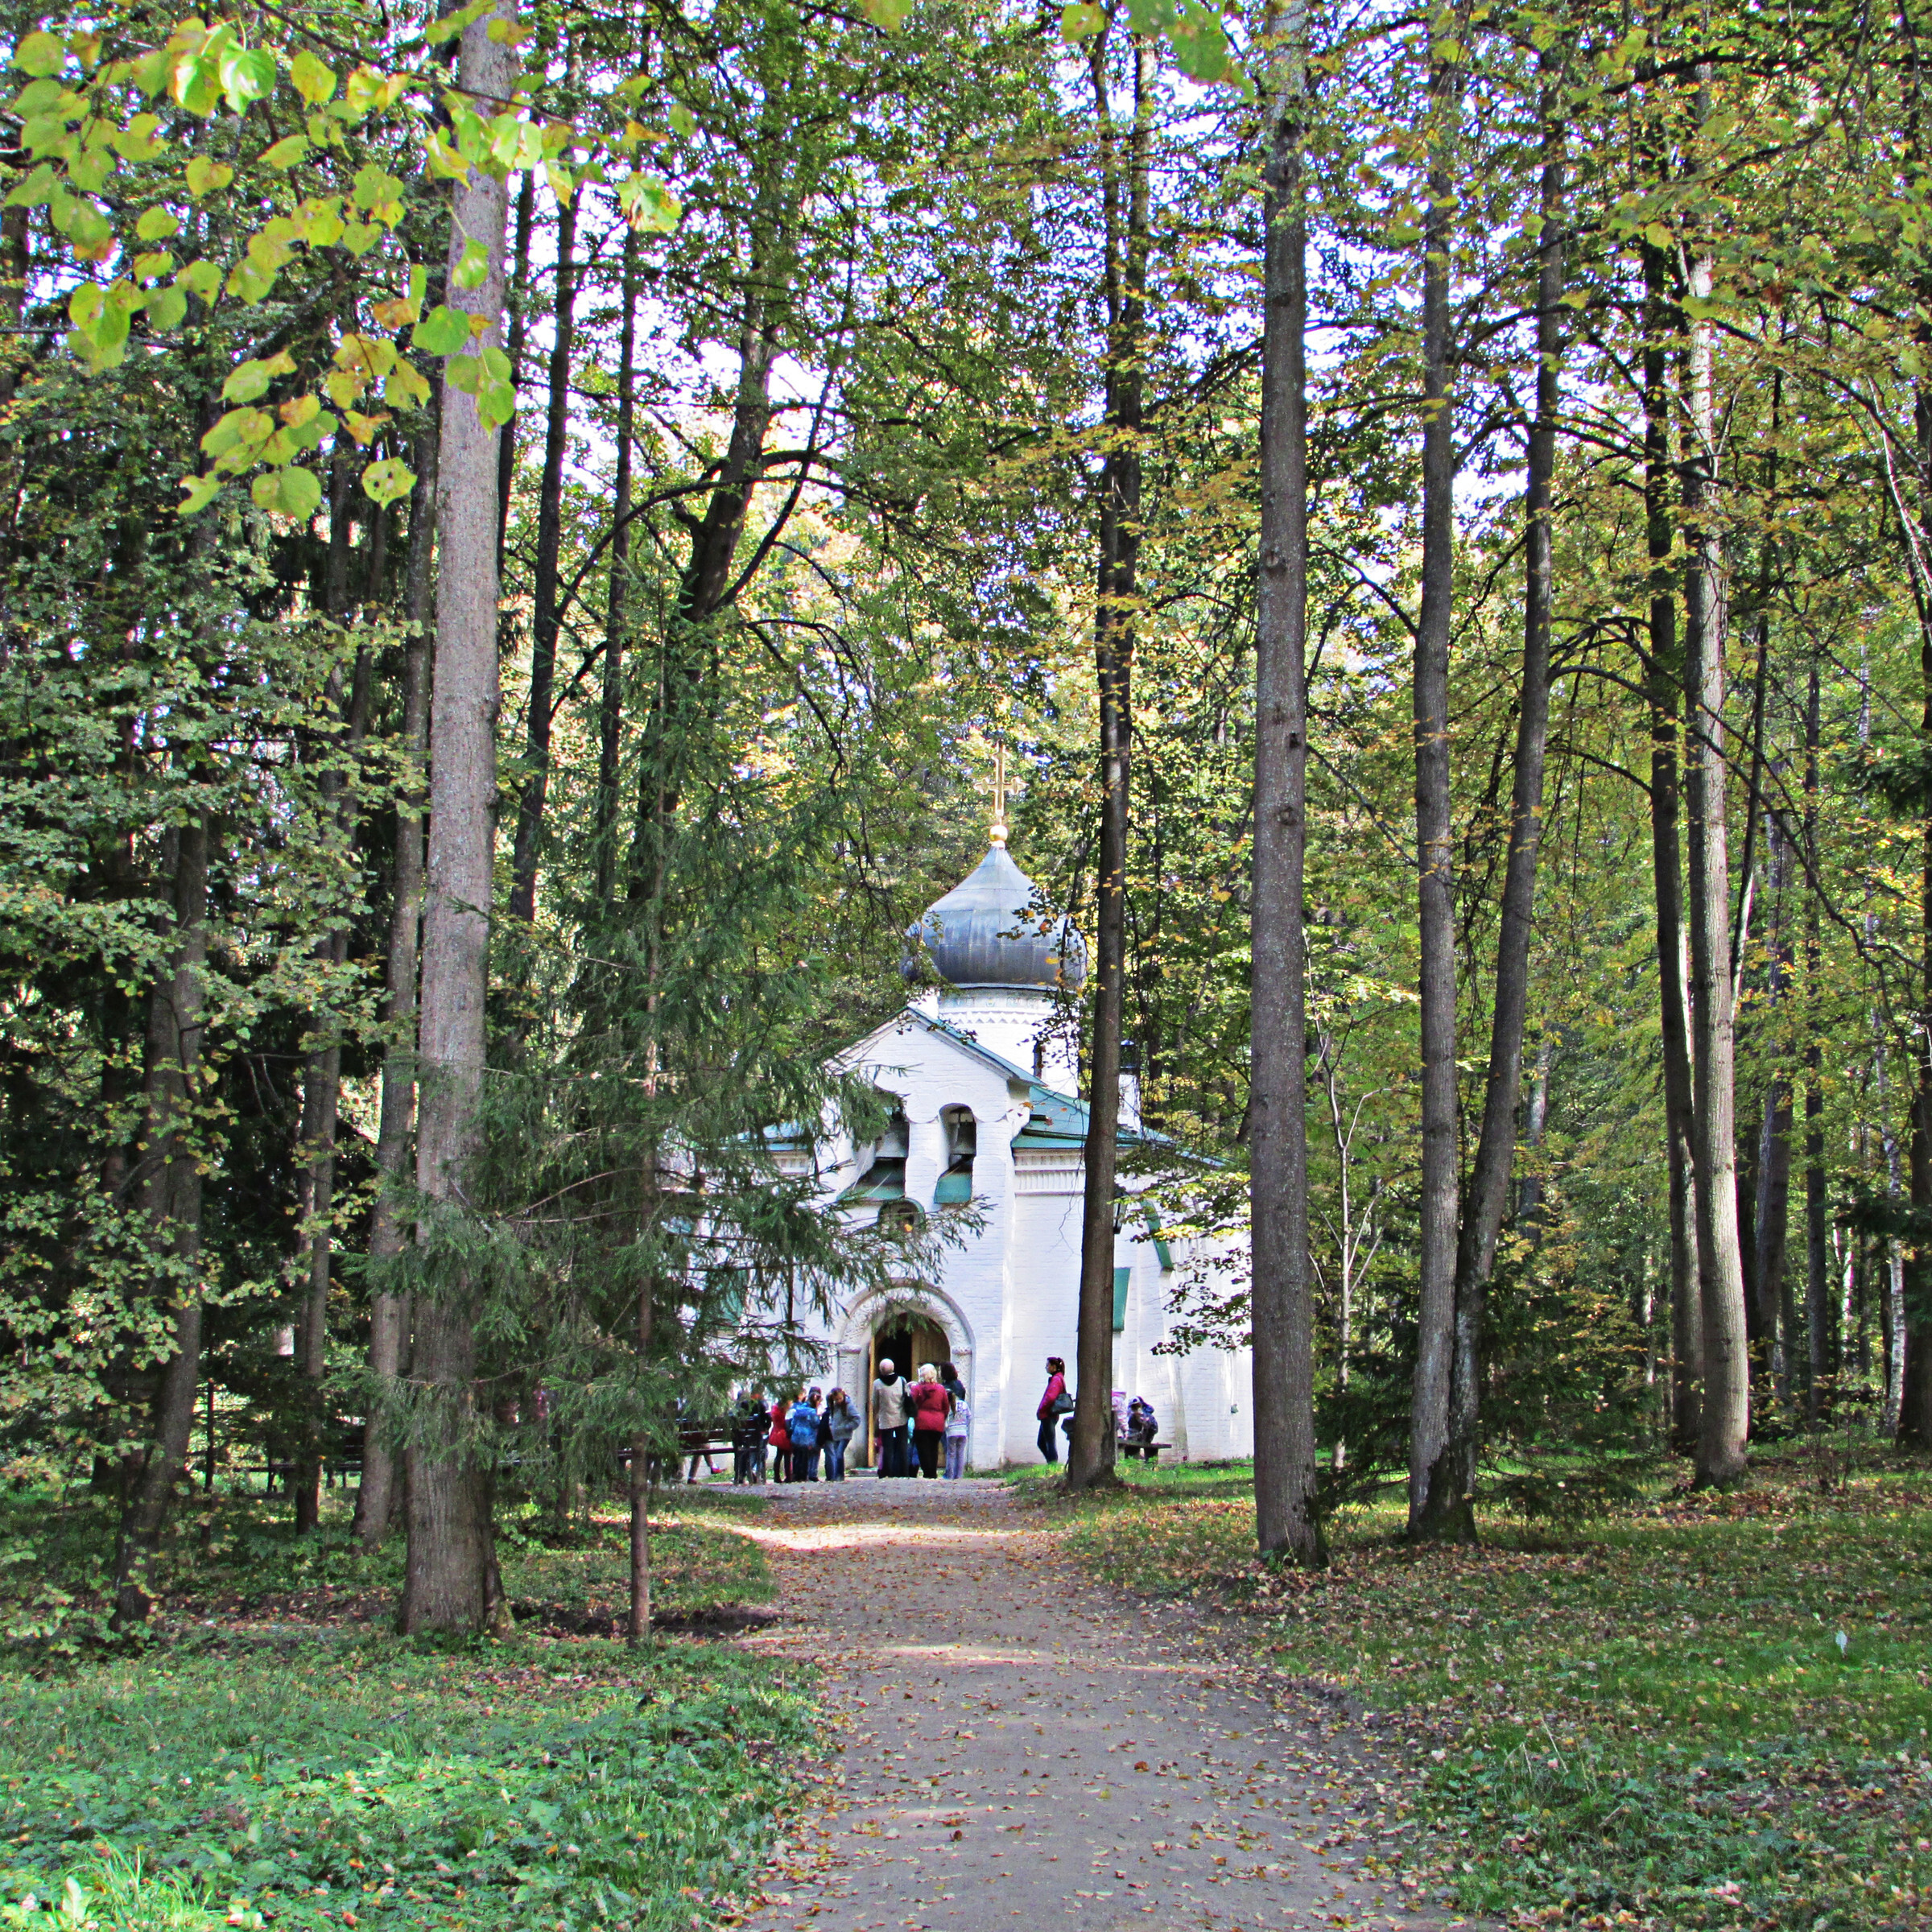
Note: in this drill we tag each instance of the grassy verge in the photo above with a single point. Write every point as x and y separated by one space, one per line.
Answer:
1652 1721
277 1759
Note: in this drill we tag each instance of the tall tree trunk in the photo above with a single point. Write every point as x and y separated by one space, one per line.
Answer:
389 1311
1664 687
451 1566
1430 1481
519 328
1725 1412
1771 1221
172 1206
640 1488
1913 1323
544 615
617 623
1818 1286
1283 1303
1488 1194
1090 1456
322 1080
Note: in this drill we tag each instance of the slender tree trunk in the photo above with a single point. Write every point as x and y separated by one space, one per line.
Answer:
544 617
1529 1194
1725 1414
1818 1285
1488 1194
451 1566
1771 1221
1430 1480
617 624
1664 681
1090 1456
640 1489
389 1311
171 1202
518 325
1285 1520
1913 1323
322 1082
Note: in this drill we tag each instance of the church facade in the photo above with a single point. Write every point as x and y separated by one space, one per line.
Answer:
983 1091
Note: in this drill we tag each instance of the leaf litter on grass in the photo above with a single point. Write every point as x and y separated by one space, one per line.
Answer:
1645 1723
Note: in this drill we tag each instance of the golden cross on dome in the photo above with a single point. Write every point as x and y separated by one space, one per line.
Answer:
999 793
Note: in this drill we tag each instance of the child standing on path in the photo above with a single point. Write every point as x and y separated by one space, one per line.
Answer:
958 1423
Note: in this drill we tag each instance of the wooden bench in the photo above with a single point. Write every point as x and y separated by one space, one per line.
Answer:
1150 1451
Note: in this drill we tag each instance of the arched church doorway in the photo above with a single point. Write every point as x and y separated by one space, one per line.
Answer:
906 1338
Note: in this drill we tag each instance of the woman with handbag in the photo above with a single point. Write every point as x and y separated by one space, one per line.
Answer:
929 1404
1055 1403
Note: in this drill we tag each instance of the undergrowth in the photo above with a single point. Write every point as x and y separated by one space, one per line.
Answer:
270 1756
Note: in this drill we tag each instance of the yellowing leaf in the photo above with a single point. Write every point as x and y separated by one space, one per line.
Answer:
200 493
157 224
205 176
40 54
287 151
386 481
473 269
313 80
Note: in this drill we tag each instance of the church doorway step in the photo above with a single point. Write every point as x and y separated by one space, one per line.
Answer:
906 1340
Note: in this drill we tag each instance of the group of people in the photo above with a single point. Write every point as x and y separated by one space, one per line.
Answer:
800 1433
1135 1428
914 1419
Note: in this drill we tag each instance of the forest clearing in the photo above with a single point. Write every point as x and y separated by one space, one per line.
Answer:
1326 608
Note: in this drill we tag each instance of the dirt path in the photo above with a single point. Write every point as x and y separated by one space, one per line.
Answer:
1014 1744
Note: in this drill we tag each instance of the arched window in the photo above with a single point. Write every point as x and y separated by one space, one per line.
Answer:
900 1216
962 1142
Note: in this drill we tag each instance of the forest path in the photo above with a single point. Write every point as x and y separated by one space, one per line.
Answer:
1010 1741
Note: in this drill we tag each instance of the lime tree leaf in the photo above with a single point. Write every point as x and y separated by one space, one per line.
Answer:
200 493
474 267
1082 21
441 332
496 405
205 176
888 14
295 493
682 120
167 308
314 79
650 206
1199 44
385 482
202 279
40 54
247 74
286 152
248 380
157 224
465 372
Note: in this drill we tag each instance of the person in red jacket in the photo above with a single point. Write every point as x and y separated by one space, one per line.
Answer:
1050 1410
930 1404
780 1439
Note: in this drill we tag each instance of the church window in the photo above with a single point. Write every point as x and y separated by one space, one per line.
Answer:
962 1142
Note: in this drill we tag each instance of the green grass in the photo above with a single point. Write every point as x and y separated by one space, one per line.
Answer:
1650 1717
276 1758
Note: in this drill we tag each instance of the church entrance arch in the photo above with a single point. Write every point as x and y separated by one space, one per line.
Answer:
910 1323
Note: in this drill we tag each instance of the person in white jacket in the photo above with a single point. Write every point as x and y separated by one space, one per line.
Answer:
889 1419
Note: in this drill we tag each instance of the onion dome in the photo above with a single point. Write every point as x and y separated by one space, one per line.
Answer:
989 930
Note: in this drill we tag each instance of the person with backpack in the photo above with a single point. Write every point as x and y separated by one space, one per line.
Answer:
929 1405
958 1425
841 1426
1055 1403
803 1424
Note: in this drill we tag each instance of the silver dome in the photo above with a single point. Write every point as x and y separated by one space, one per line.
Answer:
987 931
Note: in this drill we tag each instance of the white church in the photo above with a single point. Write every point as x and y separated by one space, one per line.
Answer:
983 1089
